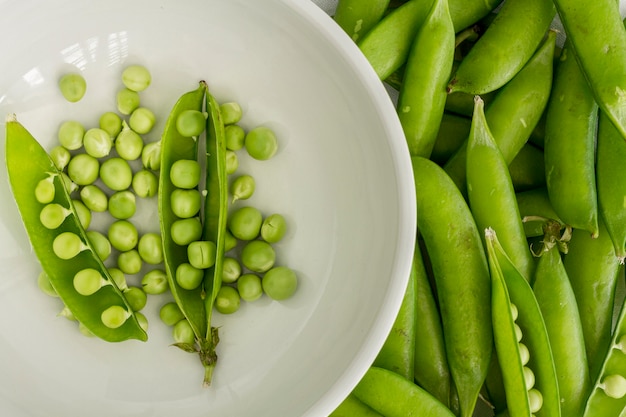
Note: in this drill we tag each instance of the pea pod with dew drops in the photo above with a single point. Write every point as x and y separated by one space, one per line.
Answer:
505 47
351 406
593 271
516 109
569 146
611 182
488 171
431 366
534 207
357 17
398 351
28 164
597 35
530 382
461 278
423 93
394 396
557 302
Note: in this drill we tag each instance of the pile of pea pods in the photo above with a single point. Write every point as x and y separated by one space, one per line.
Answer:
518 144
206 250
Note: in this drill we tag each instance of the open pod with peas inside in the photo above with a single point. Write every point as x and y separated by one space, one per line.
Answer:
63 249
521 339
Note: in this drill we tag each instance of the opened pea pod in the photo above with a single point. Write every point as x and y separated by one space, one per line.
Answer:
66 255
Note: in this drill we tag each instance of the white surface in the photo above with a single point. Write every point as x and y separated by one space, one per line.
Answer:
341 177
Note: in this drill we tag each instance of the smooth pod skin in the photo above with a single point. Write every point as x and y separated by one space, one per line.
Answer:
423 93
27 164
534 207
393 396
491 194
353 407
461 276
569 146
516 109
526 168
611 182
559 308
357 17
593 271
453 131
505 47
596 33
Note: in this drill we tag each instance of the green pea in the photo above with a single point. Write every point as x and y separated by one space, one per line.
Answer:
53 215
235 136
145 183
136 77
227 300
245 223
67 245
614 386
137 299
258 256
232 162
116 174
100 244
69 185
230 241
70 135
44 284
130 262
231 113
191 123
83 169
151 156
94 198
118 278
188 277
535 399
250 287
142 120
183 333
261 143
185 173
170 313
45 190
114 316
127 101
72 86
280 283
129 145
88 281
97 142
185 203
122 204
155 282
242 187
143 320
201 254
273 228
123 235
185 231
111 123
83 213
150 248
60 157
231 270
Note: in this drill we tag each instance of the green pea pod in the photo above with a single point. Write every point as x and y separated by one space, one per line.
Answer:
461 278
394 396
398 351
560 312
515 111
596 33
431 366
505 47
351 406
611 182
357 17
28 163
509 288
423 93
608 396
488 171
593 268
527 168
453 131
569 146
534 207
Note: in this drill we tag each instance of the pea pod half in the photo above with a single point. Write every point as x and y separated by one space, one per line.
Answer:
78 275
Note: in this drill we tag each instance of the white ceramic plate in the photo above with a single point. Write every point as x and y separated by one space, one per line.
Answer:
342 178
